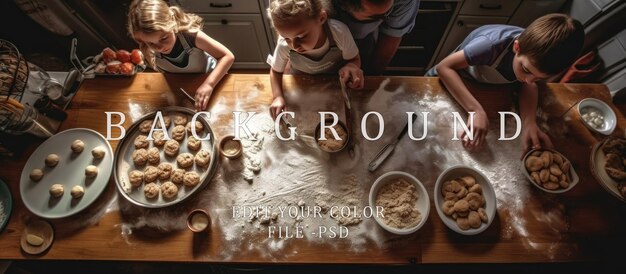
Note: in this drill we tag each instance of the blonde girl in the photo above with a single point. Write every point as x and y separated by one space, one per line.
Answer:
173 41
310 43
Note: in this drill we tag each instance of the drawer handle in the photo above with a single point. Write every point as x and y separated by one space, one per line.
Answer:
227 5
224 22
460 23
490 6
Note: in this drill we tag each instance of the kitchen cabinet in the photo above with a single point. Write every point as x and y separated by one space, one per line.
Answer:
239 25
476 13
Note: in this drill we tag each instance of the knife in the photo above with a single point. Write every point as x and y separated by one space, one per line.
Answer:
387 149
188 96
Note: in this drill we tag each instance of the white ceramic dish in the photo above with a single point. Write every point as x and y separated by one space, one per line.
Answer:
573 175
609 115
597 163
69 172
423 201
488 193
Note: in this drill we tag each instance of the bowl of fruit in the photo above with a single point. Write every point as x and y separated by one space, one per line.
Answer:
120 62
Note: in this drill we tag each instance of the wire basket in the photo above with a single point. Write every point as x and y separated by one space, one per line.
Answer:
13 72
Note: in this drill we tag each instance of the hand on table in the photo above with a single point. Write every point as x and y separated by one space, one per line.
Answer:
533 137
480 129
203 95
277 106
352 75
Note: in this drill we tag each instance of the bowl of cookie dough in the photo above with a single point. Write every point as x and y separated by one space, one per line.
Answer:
332 144
549 171
465 200
404 202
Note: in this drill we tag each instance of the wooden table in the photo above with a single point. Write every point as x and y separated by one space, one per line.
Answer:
595 221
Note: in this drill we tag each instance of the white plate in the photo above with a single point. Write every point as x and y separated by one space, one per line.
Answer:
608 113
573 175
488 193
69 172
124 162
597 162
423 201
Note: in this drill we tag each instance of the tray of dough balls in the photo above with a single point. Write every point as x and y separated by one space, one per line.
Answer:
66 173
160 172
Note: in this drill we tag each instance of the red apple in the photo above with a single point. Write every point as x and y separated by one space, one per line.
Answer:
113 67
127 68
123 56
108 55
136 56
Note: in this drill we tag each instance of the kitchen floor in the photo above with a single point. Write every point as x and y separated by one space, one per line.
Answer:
28 267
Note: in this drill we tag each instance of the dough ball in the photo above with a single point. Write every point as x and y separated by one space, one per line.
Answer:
171 148
52 160
140 157
77 192
169 190
151 190
165 170
191 179
199 127
145 126
91 171
150 174
178 133
78 146
141 141
36 174
193 143
154 155
136 178
185 160
178 175
56 190
202 158
180 120
98 152
158 138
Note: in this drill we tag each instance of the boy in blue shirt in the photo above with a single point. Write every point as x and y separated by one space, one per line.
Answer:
502 54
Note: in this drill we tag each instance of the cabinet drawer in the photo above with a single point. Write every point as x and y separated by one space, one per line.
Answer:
243 34
489 7
220 6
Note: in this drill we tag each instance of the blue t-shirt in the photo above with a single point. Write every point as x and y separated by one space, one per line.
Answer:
397 22
486 43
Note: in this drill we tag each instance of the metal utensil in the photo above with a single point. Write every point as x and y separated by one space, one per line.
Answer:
387 149
188 96
345 93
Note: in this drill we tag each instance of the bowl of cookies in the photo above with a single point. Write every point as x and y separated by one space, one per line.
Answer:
607 166
549 170
465 200
403 202
331 143
597 115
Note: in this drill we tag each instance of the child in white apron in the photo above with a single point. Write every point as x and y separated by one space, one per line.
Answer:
310 43
173 42
501 54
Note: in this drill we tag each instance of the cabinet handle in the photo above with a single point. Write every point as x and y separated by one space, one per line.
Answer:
460 23
227 5
490 6
224 22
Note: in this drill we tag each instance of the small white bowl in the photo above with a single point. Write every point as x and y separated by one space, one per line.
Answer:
488 193
608 113
423 201
572 173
